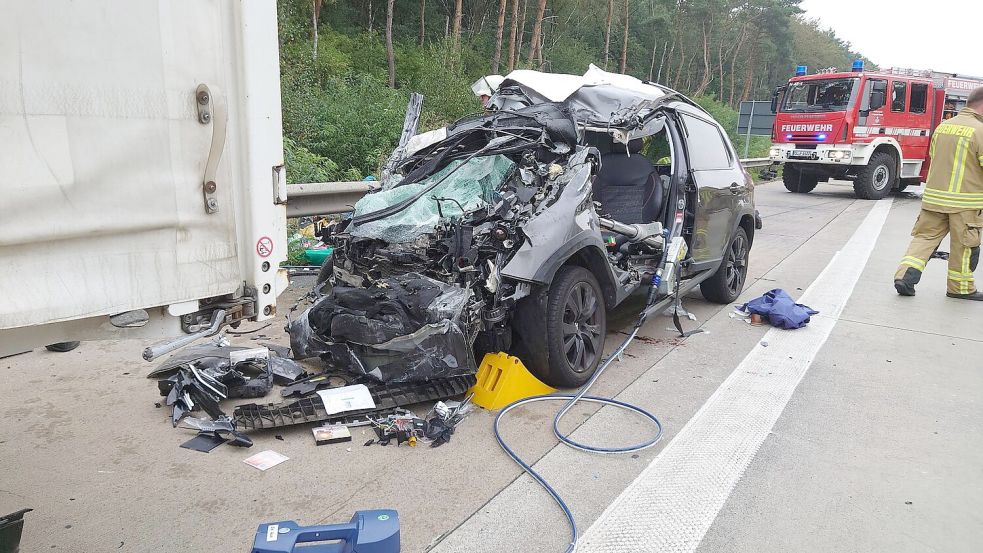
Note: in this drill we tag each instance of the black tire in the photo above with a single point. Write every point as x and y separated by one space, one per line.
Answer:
876 179
559 331
797 181
62 347
727 283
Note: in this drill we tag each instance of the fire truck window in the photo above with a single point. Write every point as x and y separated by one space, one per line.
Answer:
819 95
898 94
919 98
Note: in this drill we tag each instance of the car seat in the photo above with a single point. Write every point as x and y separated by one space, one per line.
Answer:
627 185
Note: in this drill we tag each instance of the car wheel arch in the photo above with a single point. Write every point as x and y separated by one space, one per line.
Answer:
593 259
747 223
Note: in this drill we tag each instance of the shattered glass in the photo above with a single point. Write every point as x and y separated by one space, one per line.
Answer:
470 185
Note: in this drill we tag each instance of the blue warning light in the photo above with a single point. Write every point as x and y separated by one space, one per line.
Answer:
801 70
858 66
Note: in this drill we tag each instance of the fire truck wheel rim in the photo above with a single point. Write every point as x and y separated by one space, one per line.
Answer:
881 175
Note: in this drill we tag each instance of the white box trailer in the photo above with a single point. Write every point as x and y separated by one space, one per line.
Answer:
141 168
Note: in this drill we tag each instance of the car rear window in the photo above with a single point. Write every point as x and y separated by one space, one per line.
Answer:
706 147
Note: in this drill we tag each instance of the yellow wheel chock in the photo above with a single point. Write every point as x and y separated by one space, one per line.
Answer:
503 379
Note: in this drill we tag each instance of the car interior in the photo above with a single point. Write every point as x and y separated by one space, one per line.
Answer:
629 186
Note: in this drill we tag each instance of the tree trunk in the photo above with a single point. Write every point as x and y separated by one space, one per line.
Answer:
720 71
607 34
749 78
315 15
537 29
423 22
522 32
667 61
499 31
679 69
689 74
390 53
707 73
733 62
370 16
624 44
515 29
458 15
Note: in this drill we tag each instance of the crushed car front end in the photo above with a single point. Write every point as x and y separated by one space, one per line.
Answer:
428 270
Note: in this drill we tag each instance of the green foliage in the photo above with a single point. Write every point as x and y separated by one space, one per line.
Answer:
295 245
727 117
341 120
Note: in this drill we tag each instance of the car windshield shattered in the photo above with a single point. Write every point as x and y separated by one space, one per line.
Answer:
458 188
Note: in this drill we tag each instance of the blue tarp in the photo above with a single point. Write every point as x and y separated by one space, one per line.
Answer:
780 309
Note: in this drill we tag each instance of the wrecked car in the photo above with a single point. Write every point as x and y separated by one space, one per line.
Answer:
525 225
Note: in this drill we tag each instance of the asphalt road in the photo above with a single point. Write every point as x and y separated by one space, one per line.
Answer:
875 447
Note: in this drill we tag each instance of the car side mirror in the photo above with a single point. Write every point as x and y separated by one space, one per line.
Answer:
877 99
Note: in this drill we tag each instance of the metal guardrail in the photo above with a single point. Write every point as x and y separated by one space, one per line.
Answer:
756 162
328 198
325 198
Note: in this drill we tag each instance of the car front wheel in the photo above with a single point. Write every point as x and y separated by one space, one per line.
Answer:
727 283
560 331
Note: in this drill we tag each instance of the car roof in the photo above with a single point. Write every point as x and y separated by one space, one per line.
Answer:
597 98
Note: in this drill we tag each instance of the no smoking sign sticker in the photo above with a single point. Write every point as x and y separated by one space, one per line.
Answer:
264 246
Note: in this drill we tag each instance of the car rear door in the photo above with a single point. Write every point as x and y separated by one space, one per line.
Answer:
720 186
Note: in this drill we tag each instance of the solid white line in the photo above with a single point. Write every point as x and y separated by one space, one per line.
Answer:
673 502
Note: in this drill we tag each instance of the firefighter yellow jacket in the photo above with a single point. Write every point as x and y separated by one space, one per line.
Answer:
955 178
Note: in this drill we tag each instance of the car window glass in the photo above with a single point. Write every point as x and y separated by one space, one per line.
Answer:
705 145
657 149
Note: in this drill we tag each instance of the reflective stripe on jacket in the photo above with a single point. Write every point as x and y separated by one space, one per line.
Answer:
955 178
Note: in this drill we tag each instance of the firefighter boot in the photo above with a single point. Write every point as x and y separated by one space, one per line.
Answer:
906 284
977 295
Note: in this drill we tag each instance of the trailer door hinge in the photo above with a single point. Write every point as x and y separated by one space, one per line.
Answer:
211 111
279 184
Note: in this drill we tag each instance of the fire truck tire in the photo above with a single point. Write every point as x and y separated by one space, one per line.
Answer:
876 179
798 182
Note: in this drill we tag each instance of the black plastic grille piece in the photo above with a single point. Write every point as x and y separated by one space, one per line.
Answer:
253 416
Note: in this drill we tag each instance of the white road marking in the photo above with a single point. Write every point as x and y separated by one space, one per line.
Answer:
673 502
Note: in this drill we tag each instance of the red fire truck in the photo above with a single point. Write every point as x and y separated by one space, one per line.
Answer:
870 127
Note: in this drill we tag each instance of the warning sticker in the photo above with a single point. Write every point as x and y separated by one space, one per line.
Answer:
264 246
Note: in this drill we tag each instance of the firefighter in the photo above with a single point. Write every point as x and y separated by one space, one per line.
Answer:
952 204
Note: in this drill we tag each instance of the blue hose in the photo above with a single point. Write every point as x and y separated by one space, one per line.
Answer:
570 400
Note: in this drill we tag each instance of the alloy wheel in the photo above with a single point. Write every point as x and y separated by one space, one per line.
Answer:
581 331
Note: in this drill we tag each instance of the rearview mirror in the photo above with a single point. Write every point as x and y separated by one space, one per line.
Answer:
774 98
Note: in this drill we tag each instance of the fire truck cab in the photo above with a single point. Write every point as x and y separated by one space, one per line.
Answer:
869 127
